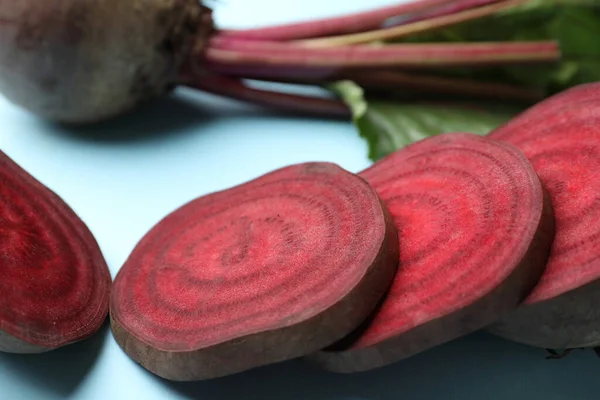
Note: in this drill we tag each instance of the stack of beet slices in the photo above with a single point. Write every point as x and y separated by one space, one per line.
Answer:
350 272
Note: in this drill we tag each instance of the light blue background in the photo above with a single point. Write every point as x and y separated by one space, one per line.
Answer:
122 177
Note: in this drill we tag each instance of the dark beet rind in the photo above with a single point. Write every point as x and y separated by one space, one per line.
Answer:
475 227
88 60
54 286
561 138
266 271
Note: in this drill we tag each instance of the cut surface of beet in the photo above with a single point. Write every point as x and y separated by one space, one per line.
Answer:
54 281
269 270
475 229
561 138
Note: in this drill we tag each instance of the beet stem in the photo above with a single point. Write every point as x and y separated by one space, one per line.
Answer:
247 53
235 89
388 80
460 5
397 79
404 30
357 22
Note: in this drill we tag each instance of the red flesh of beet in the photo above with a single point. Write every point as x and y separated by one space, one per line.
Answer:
475 230
561 137
273 269
54 285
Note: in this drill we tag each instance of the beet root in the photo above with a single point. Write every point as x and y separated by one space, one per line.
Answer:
561 138
273 269
475 229
88 60
55 282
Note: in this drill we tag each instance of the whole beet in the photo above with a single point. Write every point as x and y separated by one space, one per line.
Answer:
84 61
81 61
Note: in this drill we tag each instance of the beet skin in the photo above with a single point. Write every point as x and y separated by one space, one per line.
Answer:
82 61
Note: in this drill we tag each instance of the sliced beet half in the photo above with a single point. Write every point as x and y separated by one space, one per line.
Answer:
561 138
270 270
475 229
54 281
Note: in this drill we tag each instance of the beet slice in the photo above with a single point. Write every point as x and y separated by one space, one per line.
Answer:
561 138
475 226
272 269
54 281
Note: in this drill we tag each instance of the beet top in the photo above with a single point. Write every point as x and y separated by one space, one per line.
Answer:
561 137
475 229
54 282
272 269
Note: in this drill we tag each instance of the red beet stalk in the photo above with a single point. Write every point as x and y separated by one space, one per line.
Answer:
449 9
228 52
357 22
235 89
276 54
460 12
383 80
274 61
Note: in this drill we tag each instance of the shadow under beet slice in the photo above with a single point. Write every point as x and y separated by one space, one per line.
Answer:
54 281
475 229
266 271
561 138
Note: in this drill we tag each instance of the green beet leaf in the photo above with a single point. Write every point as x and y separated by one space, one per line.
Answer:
390 125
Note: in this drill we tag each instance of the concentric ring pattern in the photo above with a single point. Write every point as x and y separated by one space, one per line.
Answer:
562 141
54 280
267 254
466 209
